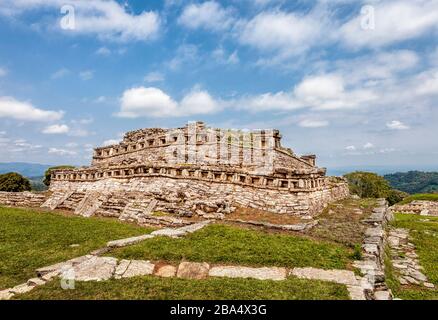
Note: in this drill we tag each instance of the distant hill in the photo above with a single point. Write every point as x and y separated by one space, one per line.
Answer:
25 169
414 181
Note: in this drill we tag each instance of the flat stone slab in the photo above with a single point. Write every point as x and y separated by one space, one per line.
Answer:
193 270
169 232
128 241
382 295
95 269
22 288
62 265
356 293
166 271
138 268
6 294
339 276
264 273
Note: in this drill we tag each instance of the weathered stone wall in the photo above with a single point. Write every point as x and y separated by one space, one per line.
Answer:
426 208
177 194
22 199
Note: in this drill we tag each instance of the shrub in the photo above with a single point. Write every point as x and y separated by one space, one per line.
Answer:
368 185
47 174
14 182
396 196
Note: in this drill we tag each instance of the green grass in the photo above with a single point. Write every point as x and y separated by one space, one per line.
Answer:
31 239
425 237
420 196
232 245
153 288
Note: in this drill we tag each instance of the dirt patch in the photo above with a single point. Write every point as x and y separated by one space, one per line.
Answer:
250 214
341 221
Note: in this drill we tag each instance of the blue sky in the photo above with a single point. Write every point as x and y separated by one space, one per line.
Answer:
355 82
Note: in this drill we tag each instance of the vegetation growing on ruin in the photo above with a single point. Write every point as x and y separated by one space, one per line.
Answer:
421 196
424 233
227 244
371 185
47 174
153 288
30 239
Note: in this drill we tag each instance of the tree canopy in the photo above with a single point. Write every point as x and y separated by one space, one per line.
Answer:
14 182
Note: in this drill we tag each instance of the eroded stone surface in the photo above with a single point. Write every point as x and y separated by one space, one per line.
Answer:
129 241
138 268
246 272
193 270
95 269
166 271
405 260
339 276
6 294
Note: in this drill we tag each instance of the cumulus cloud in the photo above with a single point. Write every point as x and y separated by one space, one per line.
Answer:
350 148
25 111
107 19
61 73
395 21
86 75
154 76
62 152
280 32
208 15
368 145
103 51
310 123
56 129
396 125
153 102
3 72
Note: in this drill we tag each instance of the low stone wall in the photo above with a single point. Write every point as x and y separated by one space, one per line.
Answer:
182 194
372 264
22 199
421 207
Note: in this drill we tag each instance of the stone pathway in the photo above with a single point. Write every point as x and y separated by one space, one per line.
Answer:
405 260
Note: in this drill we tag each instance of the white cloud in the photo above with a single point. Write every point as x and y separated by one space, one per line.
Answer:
100 99
3 72
221 56
86 75
103 51
350 148
368 145
25 111
309 123
395 21
56 129
208 15
321 92
285 33
61 73
396 125
107 19
62 152
154 77
153 102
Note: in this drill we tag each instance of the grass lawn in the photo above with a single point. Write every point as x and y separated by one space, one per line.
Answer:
420 196
147 288
31 239
233 245
425 238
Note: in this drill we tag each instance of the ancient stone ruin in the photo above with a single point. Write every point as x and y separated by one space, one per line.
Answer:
194 171
421 207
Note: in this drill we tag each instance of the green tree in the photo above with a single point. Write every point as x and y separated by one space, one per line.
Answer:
396 196
48 173
14 182
368 185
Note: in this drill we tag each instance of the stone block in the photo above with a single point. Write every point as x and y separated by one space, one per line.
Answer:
193 270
